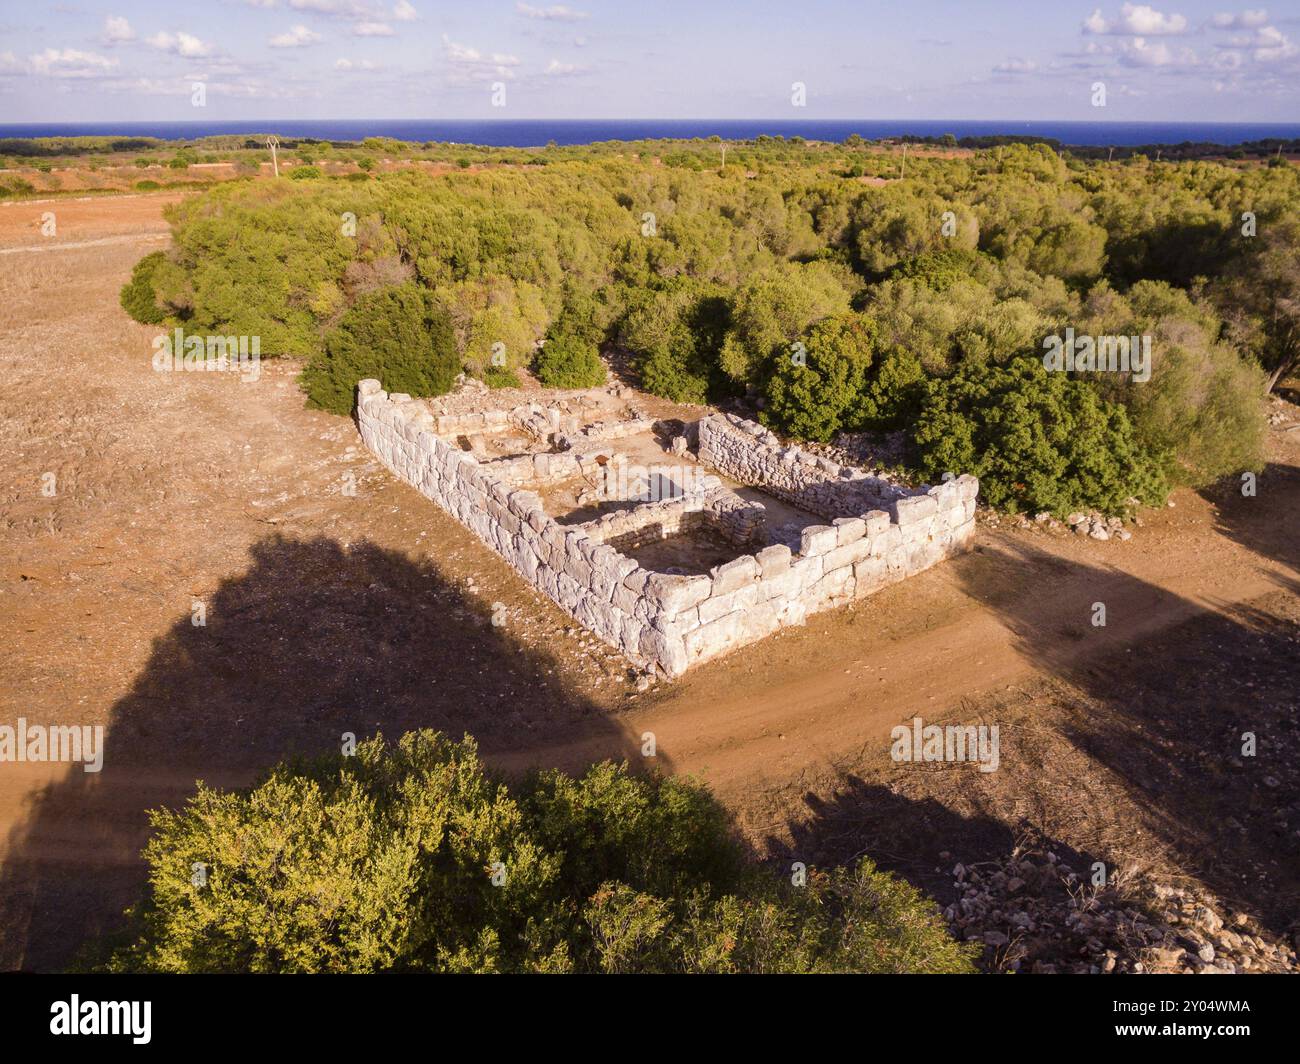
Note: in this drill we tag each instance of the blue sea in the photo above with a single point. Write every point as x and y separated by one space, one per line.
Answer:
535 133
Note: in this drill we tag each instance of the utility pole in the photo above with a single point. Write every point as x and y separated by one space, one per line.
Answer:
903 172
1110 154
724 157
273 143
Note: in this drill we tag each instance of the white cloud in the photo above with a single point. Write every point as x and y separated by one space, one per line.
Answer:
1141 52
354 64
469 64
556 69
69 63
179 43
1016 66
372 29
117 30
1271 44
558 13
1245 20
297 37
1138 19
404 11
353 9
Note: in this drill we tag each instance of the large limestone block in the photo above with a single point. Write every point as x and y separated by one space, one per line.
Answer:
807 570
849 554
665 652
817 539
716 638
869 575
760 620
737 573
720 605
773 560
849 529
671 593
915 509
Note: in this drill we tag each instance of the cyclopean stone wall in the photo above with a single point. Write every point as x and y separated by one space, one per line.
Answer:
668 622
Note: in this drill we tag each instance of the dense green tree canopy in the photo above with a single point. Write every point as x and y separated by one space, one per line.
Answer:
707 275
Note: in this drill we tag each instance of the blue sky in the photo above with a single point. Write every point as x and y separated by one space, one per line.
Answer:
947 59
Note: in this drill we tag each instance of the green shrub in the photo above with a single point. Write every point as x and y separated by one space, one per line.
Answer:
304 173
569 361
147 186
675 334
397 335
1037 440
891 394
501 377
16 186
413 858
772 310
810 393
139 297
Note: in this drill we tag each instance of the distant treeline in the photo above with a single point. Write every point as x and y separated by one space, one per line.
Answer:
1250 149
48 147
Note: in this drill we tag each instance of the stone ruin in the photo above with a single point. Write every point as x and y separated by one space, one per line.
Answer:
763 534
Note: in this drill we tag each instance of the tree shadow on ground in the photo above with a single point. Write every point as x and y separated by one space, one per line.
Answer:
1162 696
1264 522
314 640
1136 737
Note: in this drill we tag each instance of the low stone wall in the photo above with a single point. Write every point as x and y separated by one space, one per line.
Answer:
747 452
657 620
717 507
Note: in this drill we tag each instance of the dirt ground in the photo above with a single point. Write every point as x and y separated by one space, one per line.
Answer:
330 610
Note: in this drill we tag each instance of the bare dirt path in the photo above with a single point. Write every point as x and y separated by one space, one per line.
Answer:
329 610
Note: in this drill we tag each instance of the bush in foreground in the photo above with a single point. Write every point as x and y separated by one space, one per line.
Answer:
413 858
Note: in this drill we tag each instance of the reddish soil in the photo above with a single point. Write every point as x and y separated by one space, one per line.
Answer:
328 612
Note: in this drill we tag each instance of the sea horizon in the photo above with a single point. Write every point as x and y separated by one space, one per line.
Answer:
533 133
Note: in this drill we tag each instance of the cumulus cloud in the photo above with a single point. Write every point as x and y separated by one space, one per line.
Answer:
297 37
179 43
558 13
1136 19
1244 20
117 30
69 63
372 29
1271 44
404 11
354 64
469 64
